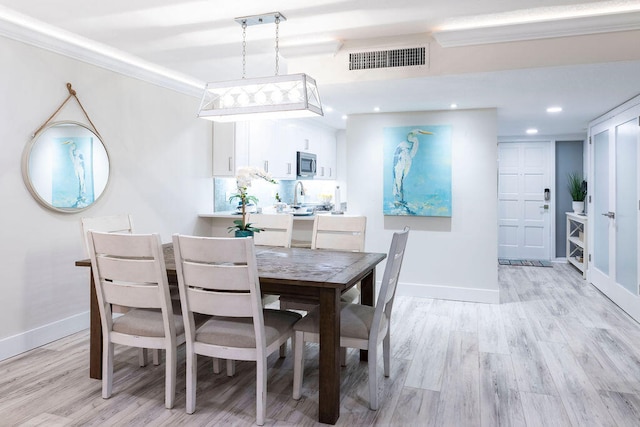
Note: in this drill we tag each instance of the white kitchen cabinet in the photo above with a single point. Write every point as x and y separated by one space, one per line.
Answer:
322 143
271 148
327 156
230 150
224 149
272 145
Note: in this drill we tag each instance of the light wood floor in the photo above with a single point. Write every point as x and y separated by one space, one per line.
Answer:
555 352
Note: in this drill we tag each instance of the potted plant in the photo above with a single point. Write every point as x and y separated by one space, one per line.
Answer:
243 182
578 189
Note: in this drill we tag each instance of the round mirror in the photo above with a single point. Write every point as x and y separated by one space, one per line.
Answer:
66 167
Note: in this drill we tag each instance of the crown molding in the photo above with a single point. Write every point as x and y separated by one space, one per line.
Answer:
627 21
25 29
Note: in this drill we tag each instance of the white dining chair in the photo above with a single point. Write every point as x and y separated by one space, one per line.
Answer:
108 224
122 224
219 277
129 270
333 232
276 229
361 326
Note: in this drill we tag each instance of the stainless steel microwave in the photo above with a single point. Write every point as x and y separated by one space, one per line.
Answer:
306 165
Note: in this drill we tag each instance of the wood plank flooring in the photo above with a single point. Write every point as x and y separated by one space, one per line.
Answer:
554 352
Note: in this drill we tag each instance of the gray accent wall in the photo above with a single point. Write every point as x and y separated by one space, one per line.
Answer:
569 158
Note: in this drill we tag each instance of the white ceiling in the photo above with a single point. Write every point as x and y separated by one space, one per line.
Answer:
201 39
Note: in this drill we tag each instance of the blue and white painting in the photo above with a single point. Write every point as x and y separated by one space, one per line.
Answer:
417 171
72 173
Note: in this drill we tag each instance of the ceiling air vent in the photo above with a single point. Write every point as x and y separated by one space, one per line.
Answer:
406 57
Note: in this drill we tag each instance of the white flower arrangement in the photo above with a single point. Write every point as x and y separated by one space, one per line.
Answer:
244 177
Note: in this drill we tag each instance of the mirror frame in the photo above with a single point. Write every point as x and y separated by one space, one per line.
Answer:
44 156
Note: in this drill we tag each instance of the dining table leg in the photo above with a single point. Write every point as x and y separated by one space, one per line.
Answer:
329 396
95 335
367 292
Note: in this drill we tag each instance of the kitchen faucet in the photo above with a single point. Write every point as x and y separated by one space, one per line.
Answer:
295 192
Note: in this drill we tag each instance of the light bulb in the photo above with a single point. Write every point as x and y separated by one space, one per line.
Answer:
228 100
260 98
276 96
294 95
243 99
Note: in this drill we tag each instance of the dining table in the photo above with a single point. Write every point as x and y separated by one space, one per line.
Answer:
308 274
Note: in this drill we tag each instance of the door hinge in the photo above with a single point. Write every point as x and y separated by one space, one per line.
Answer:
589 257
589 140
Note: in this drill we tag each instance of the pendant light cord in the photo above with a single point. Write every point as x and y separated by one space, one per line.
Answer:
277 43
244 48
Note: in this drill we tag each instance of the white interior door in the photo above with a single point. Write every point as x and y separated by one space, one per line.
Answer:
615 214
524 219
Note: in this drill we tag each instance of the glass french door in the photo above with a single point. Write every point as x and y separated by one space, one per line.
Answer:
615 209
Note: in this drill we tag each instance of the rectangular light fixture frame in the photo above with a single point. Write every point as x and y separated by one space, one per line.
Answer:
286 96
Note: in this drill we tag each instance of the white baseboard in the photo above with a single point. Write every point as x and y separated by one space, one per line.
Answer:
487 296
16 344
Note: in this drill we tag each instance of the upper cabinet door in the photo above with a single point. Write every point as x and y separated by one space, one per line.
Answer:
271 148
224 149
327 156
322 142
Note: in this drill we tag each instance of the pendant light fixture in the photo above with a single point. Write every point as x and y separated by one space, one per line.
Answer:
286 96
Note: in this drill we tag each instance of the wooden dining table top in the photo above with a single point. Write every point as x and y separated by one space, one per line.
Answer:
297 266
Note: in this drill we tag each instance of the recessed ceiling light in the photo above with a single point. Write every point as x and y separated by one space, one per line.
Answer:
345 117
554 109
532 131
454 105
328 109
376 109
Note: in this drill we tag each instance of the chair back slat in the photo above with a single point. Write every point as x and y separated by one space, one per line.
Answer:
346 233
276 229
137 245
131 295
136 270
200 249
228 304
222 277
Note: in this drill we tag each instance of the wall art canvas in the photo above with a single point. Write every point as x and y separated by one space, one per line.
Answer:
417 171
72 173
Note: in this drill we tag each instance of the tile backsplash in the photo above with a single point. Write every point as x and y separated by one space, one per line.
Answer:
265 192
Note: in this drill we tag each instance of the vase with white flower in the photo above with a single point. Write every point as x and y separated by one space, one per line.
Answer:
243 182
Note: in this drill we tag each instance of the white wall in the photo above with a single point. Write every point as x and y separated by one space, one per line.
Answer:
161 173
450 258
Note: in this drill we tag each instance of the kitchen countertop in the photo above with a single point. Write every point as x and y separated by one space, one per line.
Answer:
233 215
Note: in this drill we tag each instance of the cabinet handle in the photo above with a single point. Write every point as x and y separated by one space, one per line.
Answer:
266 166
330 172
289 168
230 159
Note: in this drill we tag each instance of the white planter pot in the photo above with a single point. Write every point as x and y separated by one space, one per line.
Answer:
578 207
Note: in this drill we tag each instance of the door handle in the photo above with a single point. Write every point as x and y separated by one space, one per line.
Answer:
609 214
